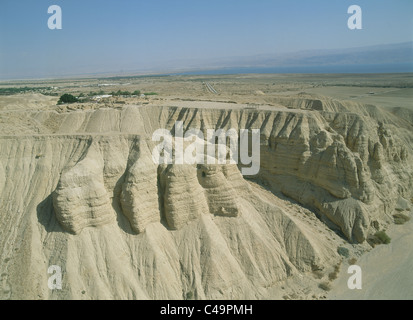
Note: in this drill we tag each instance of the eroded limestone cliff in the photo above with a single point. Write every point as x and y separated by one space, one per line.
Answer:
85 194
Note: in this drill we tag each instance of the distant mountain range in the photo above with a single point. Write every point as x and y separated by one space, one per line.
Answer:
386 58
388 54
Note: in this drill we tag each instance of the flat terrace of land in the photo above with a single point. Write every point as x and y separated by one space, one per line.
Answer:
388 90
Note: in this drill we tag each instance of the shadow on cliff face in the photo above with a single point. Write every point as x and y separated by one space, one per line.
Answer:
47 217
121 219
161 205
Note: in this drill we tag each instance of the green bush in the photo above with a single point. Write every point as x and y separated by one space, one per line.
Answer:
344 252
383 237
12 91
67 98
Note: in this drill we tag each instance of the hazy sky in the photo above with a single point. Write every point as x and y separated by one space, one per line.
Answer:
123 35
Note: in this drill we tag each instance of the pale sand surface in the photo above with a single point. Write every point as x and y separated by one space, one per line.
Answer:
387 270
385 97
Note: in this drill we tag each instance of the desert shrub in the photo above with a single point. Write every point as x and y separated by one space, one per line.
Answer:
332 276
400 218
12 91
325 286
120 93
383 237
343 252
373 241
67 98
318 274
189 295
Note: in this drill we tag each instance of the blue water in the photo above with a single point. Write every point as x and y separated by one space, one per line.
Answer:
373 68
